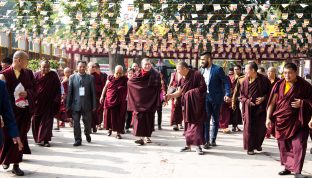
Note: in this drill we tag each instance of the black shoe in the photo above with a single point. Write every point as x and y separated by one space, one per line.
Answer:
284 172
5 166
250 152
185 149
175 128
297 175
207 146
140 142
46 144
118 136
88 138
259 149
94 130
109 133
77 143
128 131
213 143
17 171
199 151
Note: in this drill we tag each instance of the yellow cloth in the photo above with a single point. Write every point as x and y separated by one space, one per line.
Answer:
287 87
17 73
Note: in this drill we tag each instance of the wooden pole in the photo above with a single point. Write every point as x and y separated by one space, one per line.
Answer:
10 43
40 49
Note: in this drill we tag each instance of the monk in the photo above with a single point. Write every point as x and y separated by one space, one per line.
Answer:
290 109
236 118
192 90
47 103
143 100
254 93
99 86
225 110
273 79
99 83
115 105
62 115
130 73
176 117
15 75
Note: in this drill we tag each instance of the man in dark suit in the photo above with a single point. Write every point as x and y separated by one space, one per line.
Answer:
217 83
7 121
81 100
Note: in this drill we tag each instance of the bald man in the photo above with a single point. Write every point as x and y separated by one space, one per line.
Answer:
115 104
47 103
16 74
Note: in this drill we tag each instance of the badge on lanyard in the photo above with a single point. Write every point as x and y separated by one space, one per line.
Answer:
81 91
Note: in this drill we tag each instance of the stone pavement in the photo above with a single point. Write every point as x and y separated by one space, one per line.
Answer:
108 157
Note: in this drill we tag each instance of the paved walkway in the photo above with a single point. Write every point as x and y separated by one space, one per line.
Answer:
108 157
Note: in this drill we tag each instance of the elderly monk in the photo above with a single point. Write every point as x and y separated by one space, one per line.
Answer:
273 79
99 83
254 93
115 104
47 103
143 100
192 90
290 109
236 83
15 75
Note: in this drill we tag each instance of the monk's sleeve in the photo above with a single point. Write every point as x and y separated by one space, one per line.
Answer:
225 82
58 97
93 94
267 89
305 112
69 98
7 112
202 84
31 93
243 96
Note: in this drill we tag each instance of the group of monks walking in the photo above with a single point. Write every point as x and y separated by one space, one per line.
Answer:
203 101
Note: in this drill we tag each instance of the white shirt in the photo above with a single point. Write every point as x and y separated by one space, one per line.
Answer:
207 72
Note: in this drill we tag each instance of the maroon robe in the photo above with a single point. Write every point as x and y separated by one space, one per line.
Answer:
291 124
254 116
64 115
225 112
115 104
143 100
99 82
176 107
47 104
9 152
193 105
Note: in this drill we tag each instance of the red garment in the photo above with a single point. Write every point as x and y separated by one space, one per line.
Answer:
115 104
64 115
254 116
9 152
99 82
176 108
225 110
47 104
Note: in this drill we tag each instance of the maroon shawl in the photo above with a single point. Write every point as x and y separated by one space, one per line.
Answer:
116 91
48 93
288 120
99 82
144 92
193 97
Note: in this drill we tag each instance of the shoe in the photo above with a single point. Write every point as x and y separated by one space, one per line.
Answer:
175 128
118 136
5 166
234 129
213 143
46 144
88 138
185 149
250 152
300 176
109 133
128 131
159 128
207 146
140 142
181 127
148 140
259 149
17 171
284 172
94 130
56 128
77 143
199 151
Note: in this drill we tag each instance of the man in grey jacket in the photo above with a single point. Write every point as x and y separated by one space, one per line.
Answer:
81 101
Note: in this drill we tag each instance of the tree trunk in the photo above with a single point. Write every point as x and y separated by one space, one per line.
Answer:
114 60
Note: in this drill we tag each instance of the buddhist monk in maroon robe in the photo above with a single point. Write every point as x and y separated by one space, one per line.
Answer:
115 104
236 118
226 112
193 89
273 79
176 117
99 82
143 100
47 103
13 76
254 93
290 109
